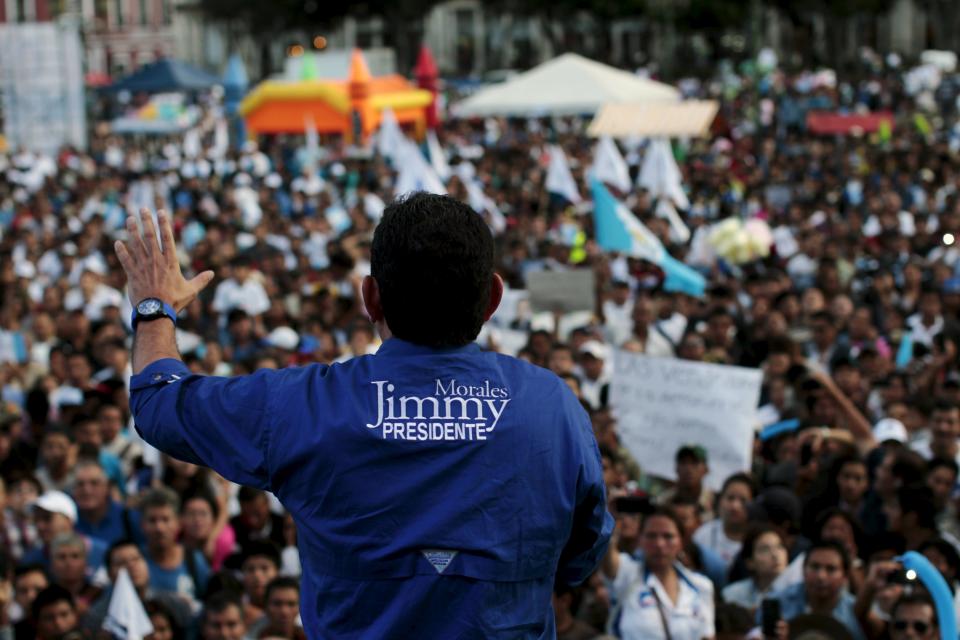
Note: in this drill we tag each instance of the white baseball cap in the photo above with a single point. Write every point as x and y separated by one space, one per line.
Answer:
890 429
57 502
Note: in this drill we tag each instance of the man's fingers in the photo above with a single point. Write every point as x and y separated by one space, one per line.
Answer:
135 246
123 254
149 231
166 235
201 280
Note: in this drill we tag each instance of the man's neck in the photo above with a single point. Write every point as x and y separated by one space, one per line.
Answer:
164 556
825 606
95 515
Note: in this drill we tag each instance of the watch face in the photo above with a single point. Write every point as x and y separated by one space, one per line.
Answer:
149 307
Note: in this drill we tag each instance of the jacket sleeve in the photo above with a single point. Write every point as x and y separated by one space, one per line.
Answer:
221 423
592 523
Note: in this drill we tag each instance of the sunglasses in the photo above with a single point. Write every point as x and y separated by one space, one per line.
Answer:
918 626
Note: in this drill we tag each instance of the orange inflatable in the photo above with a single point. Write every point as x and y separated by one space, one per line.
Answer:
351 107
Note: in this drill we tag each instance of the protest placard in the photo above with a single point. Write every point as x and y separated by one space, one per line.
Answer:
564 291
662 404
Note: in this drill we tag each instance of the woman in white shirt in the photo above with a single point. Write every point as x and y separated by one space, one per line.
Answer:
657 597
725 534
765 556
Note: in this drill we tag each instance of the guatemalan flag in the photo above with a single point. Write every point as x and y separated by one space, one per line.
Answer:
619 230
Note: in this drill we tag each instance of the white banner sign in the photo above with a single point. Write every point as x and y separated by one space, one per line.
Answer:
41 80
662 404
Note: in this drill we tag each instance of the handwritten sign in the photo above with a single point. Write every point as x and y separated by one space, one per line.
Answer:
662 404
564 291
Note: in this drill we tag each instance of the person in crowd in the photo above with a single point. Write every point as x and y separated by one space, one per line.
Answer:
172 566
914 618
691 467
28 581
99 516
658 597
942 476
68 569
54 614
126 554
223 618
823 590
165 625
205 528
724 535
256 521
765 558
259 565
282 611
56 514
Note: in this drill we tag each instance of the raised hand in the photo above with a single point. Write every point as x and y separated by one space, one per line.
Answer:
153 271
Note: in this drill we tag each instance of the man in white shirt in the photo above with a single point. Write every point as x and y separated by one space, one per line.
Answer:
92 296
241 291
942 440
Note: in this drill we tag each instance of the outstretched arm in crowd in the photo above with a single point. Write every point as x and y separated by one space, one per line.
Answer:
153 271
222 423
853 419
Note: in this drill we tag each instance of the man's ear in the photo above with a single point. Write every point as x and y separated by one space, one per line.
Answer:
496 295
371 299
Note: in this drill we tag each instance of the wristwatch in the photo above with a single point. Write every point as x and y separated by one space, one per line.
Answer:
152 309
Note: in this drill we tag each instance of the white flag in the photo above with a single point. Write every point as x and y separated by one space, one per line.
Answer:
389 138
437 158
126 617
609 166
477 199
679 232
559 178
660 174
414 173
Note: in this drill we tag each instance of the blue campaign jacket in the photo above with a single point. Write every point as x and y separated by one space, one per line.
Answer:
437 494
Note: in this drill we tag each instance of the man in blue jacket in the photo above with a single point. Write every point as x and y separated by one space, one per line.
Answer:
439 491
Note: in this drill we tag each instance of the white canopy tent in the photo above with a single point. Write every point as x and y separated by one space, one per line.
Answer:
567 85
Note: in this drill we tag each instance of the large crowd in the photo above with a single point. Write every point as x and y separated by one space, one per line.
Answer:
851 319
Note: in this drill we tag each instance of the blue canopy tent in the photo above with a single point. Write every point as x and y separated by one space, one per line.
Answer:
166 76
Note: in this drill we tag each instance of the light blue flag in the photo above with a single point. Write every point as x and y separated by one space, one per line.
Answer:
618 229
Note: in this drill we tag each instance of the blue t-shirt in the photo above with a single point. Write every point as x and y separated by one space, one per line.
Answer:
793 602
437 493
180 580
118 524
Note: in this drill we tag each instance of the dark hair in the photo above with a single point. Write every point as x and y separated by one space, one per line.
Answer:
249 494
918 500
220 602
158 608
51 595
160 497
281 582
742 478
432 259
915 597
945 463
833 512
24 569
829 545
664 512
119 544
206 496
261 548
755 533
908 466
947 550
